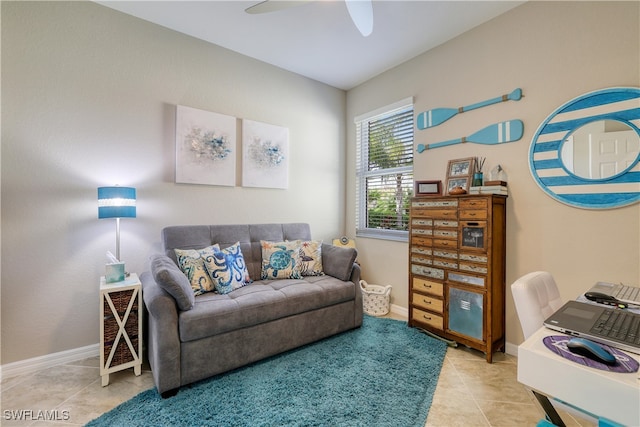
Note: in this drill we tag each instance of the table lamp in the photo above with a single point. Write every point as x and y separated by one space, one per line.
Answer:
116 202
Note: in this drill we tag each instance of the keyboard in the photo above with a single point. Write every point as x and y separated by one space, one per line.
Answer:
619 325
626 293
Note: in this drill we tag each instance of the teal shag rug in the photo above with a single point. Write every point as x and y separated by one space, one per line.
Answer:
382 374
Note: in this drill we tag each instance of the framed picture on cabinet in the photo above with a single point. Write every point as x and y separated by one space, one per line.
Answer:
428 188
463 182
460 167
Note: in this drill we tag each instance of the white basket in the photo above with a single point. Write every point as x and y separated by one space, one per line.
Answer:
375 298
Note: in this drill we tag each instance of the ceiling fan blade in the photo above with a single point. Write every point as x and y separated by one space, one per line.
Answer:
361 12
273 6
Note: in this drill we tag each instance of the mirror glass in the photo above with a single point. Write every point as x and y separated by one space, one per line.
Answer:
600 149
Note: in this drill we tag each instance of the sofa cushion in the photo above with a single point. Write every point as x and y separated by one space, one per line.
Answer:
311 258
226 268
169 277
338 261
260 302
280 260
191 263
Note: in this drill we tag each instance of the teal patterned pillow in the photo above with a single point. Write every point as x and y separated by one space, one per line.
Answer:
280 260
227 269
192 264
310 252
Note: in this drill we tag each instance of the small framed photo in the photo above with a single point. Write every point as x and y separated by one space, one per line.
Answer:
463 182
460 167
428 188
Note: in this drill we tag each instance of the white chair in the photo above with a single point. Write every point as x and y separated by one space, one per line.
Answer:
536 297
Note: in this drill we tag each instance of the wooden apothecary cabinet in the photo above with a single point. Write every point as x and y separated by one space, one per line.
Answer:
457 269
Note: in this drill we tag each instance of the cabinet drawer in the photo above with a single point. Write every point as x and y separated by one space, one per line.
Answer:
445 254
421 232
482 259
444 243
418 259
474 268
445 263
443 213
421 270
425 222
444 223
465 278
434 288
472 203
423 251
473 214
428 303
434 203
447 233
422 241
429 318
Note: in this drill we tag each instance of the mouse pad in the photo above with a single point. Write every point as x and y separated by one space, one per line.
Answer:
558 344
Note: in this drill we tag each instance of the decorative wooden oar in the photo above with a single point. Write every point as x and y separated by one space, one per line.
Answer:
432 118
498 133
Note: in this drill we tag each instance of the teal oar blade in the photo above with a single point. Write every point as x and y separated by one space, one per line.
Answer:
498 133
432 118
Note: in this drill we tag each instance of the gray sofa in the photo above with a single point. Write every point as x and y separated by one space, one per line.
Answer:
191 338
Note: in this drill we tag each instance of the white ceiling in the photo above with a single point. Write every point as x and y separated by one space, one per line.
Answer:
318 39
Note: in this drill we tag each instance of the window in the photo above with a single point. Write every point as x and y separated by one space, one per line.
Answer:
384 171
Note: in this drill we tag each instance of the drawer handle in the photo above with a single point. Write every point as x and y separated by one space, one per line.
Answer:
426 317
426 301
473 224
427 286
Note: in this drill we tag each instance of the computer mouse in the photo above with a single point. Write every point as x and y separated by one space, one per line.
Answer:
591 350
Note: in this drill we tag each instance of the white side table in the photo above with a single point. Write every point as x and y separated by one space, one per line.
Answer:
120 326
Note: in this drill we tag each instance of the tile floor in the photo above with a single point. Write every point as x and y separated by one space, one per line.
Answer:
470 392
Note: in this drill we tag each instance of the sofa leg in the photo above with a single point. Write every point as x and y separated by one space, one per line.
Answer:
170 393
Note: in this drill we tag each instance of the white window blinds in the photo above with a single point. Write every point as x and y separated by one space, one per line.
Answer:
384 171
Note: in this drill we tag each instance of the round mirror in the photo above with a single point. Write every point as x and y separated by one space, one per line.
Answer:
586 153
601 149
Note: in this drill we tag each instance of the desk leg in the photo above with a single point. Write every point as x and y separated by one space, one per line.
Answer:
551 412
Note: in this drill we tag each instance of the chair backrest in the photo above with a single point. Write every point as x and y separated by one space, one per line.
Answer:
536 297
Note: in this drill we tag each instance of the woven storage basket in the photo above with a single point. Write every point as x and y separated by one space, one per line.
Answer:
375 298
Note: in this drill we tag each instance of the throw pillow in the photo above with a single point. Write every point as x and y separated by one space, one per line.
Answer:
280 260
169 277
310 252
192 264
227 269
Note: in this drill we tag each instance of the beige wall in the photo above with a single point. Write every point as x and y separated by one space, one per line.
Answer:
88 99
554 51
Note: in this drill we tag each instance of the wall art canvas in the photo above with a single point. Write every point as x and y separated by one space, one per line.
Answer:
265 155
205 147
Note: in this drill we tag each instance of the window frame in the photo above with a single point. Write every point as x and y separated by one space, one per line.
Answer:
362 172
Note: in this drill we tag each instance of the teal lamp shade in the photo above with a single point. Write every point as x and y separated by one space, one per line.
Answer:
116 202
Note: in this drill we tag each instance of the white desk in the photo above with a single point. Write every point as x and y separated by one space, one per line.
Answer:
610 395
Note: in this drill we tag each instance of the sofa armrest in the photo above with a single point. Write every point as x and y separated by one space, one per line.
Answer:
359 309
163 341
338 262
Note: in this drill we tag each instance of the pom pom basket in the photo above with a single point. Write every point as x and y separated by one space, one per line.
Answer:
375 298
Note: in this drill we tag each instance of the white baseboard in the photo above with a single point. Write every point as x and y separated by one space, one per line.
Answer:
511 349
32 365
401 311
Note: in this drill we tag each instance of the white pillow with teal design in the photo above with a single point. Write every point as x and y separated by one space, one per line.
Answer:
191 263
280 260
227 269
310 252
